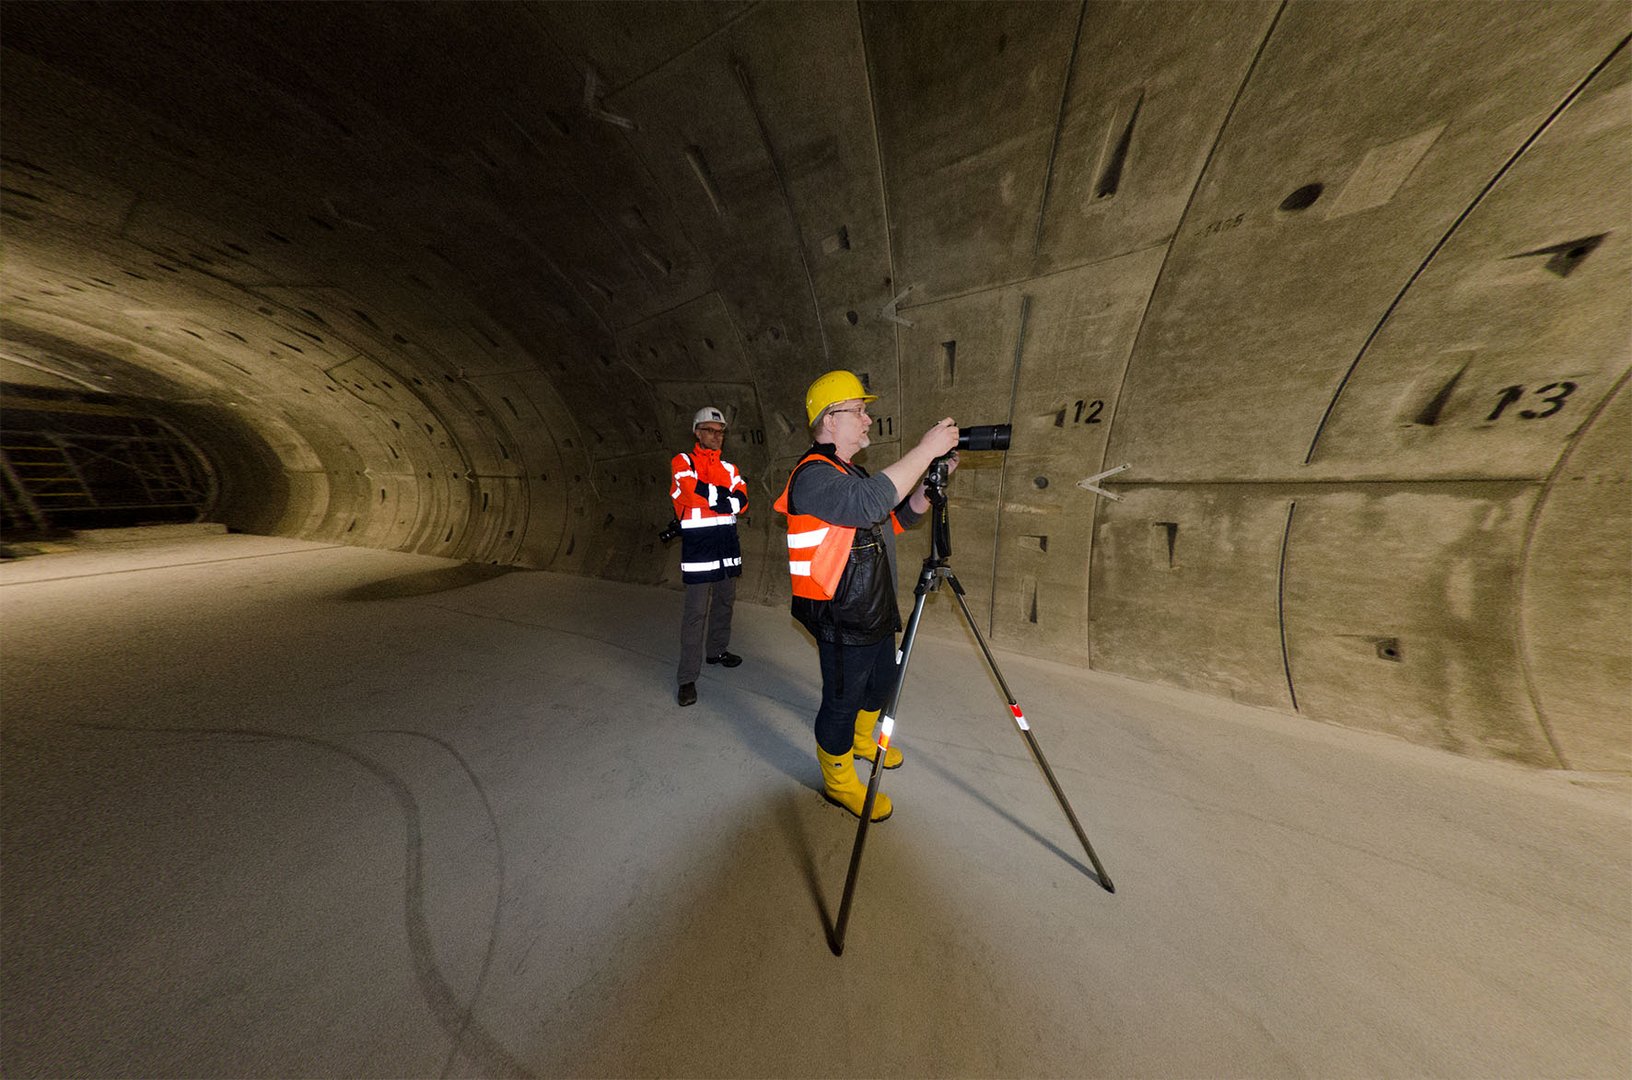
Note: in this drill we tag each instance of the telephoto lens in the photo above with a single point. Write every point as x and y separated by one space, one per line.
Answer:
984 437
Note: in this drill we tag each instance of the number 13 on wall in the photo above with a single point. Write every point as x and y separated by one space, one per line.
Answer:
1553 394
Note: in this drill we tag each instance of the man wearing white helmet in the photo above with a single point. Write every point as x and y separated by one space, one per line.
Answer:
708 494
841 555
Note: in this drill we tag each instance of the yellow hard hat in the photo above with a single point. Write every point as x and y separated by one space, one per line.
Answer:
832 388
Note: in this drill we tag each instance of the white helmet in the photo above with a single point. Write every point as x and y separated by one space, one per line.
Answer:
708 414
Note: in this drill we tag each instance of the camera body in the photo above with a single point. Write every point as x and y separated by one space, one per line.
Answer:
671 531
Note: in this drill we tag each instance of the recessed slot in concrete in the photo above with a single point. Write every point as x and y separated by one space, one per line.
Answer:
279 237
484 502
558 122
449 537
511 405
1041 482
1166 544
1114 158
1430 414
851 317
315 220
699 167
1031 601
382 495
1035 542
1567 256
662 265
1389 649
572 543
785 424
949 362
1303 198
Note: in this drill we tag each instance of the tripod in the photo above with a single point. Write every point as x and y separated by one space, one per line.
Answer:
936 568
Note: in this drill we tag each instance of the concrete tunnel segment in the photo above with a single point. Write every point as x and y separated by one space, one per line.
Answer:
1345 285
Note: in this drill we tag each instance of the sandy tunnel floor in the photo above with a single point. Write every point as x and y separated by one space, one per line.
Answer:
274 808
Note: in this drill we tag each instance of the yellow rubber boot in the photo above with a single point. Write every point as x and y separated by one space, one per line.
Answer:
866 746
843 788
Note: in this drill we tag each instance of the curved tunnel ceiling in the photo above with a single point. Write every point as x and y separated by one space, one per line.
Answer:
1344 284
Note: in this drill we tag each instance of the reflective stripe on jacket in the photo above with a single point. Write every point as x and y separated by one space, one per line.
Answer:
708 494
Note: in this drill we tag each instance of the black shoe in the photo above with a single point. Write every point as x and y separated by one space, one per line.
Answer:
729 659
688 693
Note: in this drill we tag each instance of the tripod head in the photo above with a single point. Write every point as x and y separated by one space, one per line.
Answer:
979 437
940 530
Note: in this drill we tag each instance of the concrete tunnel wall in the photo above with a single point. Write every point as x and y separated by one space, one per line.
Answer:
1346 285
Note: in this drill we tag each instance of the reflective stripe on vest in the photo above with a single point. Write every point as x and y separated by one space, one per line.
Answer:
817 550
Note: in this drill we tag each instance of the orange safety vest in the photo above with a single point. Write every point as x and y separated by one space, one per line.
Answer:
817 550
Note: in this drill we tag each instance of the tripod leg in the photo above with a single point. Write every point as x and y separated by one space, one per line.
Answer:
925 584
1031 740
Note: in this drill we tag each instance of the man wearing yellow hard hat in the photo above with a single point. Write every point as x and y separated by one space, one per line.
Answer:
841 555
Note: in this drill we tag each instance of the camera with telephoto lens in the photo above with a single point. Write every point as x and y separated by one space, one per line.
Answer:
984 437
975 437
672 531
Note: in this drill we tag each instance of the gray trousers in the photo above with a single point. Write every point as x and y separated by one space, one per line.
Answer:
701 610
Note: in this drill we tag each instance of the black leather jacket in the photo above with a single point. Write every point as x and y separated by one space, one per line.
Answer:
863 609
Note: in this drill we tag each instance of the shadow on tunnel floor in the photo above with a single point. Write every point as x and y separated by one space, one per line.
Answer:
427 582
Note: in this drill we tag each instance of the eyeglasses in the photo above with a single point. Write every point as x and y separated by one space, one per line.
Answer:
711 431
856 412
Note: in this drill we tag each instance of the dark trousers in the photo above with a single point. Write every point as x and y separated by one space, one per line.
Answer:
854 677
707 604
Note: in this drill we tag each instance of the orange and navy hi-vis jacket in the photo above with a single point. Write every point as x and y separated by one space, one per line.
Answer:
708 494
817 550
